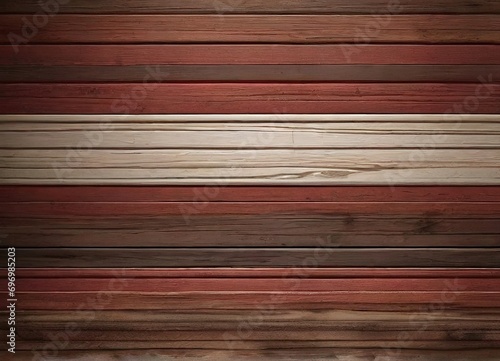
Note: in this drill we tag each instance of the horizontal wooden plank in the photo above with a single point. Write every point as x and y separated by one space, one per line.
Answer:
385 167
248 194
276 118
209 338
270 230
321 176
390 300
316 354
283 273
295 29
256 136
254 285
229 98
259 7
85 209
259 345
249 73
258 257
137 54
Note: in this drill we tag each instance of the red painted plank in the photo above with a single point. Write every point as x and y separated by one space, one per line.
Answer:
431 194
250 98
67 55
74 209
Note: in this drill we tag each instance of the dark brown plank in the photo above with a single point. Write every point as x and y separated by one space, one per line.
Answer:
321 256
293 29
256 284
249 98
284 273
250 73
189 301
129 55
316 354
259 7
271 230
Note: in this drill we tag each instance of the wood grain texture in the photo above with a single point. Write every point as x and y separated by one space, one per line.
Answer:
322 256
249 73
248 194
85 209
363 301
255 285
247 54
286 231
316 354
261 273
259 7
227 98
257 136
292 29
383 167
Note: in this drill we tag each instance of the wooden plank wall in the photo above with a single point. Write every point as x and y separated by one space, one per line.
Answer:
251 180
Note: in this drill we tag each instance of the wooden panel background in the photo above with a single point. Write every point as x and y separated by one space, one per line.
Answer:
251 180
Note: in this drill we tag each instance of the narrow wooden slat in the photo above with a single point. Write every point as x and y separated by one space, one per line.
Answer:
283 273
133 55
349 354
298 29
248 194
258 257
255 285
270 230
259 7
259 345
255 136
79 209
485 336
413 301
249 73
248 98
41 120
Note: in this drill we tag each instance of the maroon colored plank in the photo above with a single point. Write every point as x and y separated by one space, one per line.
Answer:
85 209
73 55
250 98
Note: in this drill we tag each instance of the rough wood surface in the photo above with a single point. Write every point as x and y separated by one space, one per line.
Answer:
249 73
322 256
274 98
260 7
130 55
270 29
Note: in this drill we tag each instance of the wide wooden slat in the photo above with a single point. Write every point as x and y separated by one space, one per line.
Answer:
255 285
294 29
348 300
283 273
248 194
349 354
259 7
386 167
255 136
249 73
278 98
192 230
79 209
258 257
133 55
